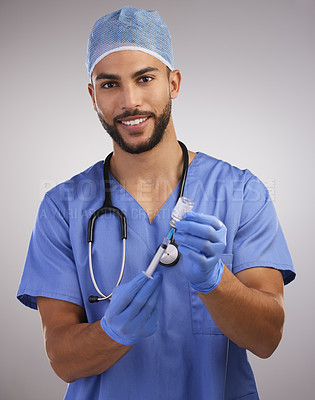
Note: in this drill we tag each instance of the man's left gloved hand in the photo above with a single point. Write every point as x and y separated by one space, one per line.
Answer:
202 240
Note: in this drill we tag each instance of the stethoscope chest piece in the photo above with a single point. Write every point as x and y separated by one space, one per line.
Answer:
171 255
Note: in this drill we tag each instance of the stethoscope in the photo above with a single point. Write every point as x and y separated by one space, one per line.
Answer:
171 255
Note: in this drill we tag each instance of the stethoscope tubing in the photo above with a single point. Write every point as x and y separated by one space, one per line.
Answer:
109 208
93 299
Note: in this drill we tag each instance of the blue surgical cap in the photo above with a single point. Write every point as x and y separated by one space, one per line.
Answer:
129 29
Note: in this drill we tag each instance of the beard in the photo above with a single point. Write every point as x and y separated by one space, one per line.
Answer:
160 125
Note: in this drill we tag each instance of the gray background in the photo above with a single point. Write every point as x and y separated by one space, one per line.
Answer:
247 97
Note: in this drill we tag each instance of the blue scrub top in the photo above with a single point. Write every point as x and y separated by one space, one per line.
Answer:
188 357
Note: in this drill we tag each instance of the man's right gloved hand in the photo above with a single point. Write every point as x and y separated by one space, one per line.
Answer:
133 310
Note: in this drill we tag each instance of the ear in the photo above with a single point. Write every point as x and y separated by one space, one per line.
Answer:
174 82
91 92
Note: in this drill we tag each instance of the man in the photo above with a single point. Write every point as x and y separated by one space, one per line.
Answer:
184 333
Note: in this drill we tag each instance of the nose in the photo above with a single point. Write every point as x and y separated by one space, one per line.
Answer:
130 97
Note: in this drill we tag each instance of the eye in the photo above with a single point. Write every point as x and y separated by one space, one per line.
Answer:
145 79
108 85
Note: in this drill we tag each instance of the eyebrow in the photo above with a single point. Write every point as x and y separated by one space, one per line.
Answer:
117 77
144 71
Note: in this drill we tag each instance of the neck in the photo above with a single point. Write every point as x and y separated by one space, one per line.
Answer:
152 176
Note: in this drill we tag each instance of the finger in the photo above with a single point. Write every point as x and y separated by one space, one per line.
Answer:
198 229
125 293
200 245
144 316
151 323
204 219
143 295
201 260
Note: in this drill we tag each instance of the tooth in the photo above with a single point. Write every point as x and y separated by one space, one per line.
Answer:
134 122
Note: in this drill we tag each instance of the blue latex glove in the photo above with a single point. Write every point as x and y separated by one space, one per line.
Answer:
133 310
202 240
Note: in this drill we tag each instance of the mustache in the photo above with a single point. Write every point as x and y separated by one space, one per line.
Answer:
132 114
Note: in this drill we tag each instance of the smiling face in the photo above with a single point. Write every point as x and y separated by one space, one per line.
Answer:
131 93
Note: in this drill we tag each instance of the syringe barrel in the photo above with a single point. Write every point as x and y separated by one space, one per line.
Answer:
155 260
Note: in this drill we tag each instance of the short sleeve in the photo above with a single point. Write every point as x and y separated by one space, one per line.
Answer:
49 269
259 241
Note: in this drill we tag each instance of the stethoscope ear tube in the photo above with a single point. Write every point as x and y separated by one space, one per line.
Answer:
95 299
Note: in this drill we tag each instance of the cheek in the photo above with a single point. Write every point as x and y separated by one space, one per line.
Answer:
159 99
104 107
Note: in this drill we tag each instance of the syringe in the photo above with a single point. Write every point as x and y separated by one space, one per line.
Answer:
182 206
158 255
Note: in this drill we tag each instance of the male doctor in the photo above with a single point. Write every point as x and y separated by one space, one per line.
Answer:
184 333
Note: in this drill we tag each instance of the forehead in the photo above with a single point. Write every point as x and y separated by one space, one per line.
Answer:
127 62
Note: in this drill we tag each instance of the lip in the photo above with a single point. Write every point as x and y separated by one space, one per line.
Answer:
134 128
133 117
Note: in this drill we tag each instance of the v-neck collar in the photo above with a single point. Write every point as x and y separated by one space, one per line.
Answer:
117 188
